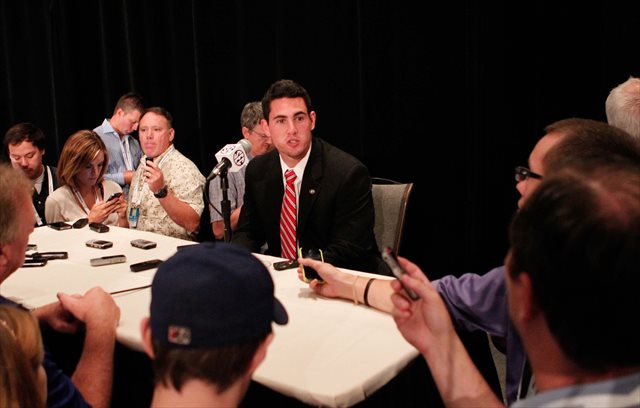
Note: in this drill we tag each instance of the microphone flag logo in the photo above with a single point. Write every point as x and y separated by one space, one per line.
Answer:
239 157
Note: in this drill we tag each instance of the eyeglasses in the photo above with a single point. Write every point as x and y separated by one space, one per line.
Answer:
523 173
260 135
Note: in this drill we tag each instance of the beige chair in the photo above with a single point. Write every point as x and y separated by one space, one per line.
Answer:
390 200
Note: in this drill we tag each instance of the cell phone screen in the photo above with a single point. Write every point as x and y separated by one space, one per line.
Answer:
309 274
114 196
392 261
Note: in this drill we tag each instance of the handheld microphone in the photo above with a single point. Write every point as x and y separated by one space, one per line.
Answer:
232 157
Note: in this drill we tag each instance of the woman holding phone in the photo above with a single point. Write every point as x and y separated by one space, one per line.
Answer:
83 192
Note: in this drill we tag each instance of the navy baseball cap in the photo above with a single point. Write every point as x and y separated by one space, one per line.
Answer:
212 294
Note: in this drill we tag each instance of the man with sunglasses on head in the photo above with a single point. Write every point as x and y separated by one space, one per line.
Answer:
260 143
478 302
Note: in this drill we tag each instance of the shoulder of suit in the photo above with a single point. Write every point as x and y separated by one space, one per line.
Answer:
333 153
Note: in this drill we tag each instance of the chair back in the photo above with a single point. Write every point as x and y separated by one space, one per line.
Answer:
390 199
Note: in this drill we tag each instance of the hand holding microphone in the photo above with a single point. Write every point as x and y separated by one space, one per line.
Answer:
231 158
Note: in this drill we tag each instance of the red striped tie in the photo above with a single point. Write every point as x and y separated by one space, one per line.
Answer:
288 217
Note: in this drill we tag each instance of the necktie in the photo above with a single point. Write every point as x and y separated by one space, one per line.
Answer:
288 216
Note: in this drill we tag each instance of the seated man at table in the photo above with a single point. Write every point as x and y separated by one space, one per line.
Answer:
211 310
95 311
25 145
306 193
166 191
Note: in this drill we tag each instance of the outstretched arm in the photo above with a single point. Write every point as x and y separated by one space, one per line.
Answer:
426 324
344 285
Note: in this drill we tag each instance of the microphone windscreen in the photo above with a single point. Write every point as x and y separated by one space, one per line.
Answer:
246 145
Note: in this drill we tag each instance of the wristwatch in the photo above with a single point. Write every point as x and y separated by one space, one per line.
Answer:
162 193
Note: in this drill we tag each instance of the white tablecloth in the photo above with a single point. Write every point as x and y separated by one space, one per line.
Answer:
332 352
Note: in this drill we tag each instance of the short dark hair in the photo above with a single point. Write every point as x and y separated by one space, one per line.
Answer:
284 88
129 102
159 110
221 366
20 132
587 142
578 239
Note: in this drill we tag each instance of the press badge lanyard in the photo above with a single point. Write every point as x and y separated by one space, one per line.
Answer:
141 186
38 219
81 200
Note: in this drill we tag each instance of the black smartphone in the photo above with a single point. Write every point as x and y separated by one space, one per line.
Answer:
288 264
143 244
99 243
50 255
149 159
114 196
31 262
309 274
392 262
108 260
81 223
60 225
98 227
143 266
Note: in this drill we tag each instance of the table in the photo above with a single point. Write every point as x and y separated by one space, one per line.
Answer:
331 353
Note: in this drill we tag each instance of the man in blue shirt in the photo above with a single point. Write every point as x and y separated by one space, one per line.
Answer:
124 150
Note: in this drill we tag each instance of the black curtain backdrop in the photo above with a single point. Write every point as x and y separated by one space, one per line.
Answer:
450 96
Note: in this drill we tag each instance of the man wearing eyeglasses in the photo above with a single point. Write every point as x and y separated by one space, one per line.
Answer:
260 144
478 302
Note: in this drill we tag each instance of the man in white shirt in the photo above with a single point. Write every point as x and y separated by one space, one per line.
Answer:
25 145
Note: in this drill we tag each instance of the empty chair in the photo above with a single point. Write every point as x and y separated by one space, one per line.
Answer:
390 200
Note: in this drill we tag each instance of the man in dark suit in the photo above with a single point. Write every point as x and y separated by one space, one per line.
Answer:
24 143
332 207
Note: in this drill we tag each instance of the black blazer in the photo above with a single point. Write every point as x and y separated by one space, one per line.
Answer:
335 213
39 199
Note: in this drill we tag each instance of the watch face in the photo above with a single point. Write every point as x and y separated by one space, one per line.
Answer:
161 193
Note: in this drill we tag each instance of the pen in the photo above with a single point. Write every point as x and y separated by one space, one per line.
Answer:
129 290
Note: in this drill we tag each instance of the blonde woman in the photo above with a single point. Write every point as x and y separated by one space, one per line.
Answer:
23 382
83 192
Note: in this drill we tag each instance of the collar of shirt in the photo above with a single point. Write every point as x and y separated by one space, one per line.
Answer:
298 169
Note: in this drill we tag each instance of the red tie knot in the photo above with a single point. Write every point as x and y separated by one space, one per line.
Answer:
290 176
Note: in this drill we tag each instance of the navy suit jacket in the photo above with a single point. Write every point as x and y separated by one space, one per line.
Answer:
335 213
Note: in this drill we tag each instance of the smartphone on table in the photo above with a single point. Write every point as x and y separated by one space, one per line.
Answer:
98 227
288 264
108 260
392 262
60 225
49 255
143 266
308 273
34 262
99 243
80 223
143 244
